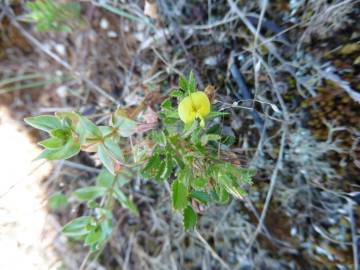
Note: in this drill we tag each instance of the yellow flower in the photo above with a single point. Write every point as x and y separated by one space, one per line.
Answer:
196 105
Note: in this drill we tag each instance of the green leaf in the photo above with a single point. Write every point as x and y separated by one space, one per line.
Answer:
228 140
168 167
245 175
177 93
209 137
236 191
199 182
105 130
121 179
200 196
166 104
191 84
159 137
93 204
89 193
58 200
160 171
90 129
60 133
93 236
170 115
179 195
77 227
105 179
52 143
190 129
222 196
125 201
106 227
44 122
114 148
106 158
183 83
185 176
215 114
189 218
74 117
195 136
125 126
70 149
152 167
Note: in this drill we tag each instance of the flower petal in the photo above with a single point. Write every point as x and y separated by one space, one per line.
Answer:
201 103
186 110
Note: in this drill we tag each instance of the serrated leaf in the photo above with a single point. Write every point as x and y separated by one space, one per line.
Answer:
236 191
89 193
168 167
222 194
166 104
189 218
160 170
159 137
57 200
184 176
177 93
52 143
200 196
179 195
199 182
152 167
106 158
44 122
70 149
77 227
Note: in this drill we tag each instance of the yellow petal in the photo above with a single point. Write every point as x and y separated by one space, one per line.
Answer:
186 110
197 105
201 103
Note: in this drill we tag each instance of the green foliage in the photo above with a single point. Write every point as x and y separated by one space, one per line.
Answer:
190 218
179 195
58 200
50 15
188 156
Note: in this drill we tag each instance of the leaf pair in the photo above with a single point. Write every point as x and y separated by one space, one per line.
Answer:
62 144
